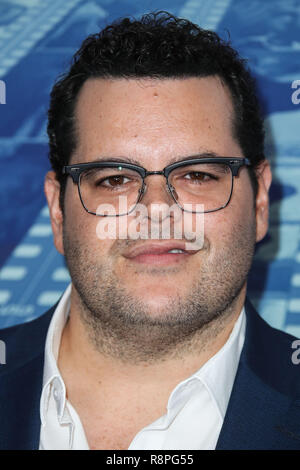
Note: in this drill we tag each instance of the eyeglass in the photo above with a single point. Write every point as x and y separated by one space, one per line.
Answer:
190 182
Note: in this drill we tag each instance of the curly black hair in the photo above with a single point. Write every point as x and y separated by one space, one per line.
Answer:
158 45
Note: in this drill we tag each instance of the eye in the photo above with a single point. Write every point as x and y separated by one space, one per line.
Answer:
113 181
198 176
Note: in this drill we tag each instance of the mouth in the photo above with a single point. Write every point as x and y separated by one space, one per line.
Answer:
159 253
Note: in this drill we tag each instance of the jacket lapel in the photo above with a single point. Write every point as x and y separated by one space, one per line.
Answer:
21 382
263 410
19 409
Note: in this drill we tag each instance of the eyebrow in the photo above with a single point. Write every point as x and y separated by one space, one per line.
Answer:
173 160
195 156
117 159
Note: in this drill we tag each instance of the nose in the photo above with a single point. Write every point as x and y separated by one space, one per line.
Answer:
156 191
162 212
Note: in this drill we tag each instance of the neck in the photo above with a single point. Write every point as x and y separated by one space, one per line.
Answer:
106 362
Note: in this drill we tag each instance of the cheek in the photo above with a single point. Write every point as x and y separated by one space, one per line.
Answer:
97 245
79 225
228 227
81 230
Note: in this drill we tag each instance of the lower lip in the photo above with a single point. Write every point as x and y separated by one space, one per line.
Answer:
161 259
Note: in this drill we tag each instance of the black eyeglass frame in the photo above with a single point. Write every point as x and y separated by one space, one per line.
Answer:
76 170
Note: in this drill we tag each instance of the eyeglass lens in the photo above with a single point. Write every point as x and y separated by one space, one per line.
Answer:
207 184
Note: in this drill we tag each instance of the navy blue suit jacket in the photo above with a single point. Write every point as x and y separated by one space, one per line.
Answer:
263 410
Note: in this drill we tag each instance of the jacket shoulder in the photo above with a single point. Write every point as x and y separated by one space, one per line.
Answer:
270 353
25 341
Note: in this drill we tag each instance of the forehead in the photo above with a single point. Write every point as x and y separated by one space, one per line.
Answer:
153 119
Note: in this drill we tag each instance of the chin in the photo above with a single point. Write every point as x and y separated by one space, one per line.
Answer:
156 302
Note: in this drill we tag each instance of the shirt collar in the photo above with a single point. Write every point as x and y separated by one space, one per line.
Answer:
218 373
52 377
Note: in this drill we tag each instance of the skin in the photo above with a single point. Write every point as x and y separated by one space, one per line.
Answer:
132 333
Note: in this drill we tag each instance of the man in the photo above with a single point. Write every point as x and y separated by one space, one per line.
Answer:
153 345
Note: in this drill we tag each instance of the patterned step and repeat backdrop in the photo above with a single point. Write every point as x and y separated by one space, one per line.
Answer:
37 39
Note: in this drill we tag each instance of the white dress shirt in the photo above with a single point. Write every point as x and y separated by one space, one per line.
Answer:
194 413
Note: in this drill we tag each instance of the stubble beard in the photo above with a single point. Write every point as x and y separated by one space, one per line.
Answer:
124 327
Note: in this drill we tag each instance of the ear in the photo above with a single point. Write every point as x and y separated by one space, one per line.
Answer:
52 190
264 179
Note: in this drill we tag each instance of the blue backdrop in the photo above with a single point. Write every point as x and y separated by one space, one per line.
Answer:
37 40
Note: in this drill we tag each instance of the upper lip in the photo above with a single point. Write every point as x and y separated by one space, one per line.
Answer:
156 248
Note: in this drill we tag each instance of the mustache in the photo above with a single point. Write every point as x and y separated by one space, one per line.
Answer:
120 245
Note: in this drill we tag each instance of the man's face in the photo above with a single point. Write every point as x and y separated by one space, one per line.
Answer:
154 122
